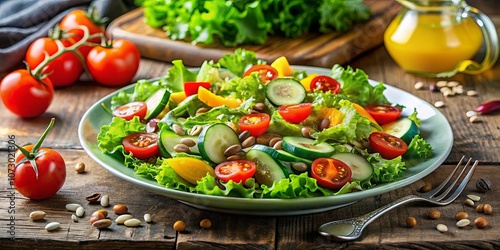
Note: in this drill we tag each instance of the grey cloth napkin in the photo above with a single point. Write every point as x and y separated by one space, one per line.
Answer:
23 21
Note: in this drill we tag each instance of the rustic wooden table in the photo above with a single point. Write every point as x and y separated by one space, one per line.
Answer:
479 140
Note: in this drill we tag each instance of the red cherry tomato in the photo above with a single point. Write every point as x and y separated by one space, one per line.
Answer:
130 110
325 83
62 71
237 170
191 88
383 113
142 145
24 95
257 123
88 19
115 65
330 173
267 73
46 179
295 113
388 146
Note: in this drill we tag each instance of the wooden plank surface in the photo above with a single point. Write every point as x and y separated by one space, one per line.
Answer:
323 50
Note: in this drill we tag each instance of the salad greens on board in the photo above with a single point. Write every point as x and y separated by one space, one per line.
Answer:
250 21
232 95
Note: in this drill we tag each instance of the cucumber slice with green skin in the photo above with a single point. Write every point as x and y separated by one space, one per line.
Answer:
361 169
156 103
269 169
403 128
285 91
168 141
281 155
214 140
306 148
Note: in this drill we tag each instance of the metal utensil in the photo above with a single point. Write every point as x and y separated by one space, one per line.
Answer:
352 228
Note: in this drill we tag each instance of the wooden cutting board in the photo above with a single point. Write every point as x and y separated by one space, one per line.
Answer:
321 50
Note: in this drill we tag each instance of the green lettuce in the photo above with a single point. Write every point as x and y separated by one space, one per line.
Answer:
418 149
177 75
208 185
249 87
142 90
239 61
110 136
384 170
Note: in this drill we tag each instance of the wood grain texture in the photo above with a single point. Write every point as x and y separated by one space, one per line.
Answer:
323 50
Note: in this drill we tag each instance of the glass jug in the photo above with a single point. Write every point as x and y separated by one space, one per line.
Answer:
439 38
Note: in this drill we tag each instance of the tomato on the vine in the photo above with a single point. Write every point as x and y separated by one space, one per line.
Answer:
114 64
237 170
295 113
39 172
383 113
25 95
130 110
142 145
267 73
388 146
257 123
330 173
89 19
325 84
63 70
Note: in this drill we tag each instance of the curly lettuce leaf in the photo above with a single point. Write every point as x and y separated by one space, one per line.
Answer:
177 75
341 15
237 62
142 90
384 170
110 136
169 178
208 185
249 87
418 149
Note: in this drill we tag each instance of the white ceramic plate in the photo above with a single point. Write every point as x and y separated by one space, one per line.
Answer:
435 129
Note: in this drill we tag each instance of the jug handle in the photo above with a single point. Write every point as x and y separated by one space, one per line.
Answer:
491 44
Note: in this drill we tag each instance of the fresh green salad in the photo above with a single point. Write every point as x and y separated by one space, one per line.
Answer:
241 127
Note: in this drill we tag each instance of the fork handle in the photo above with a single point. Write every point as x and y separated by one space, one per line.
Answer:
341 228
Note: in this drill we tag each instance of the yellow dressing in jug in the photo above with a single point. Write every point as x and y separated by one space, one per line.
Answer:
421 42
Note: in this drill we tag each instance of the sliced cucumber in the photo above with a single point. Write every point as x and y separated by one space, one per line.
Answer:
403 128
285 91
156 103
269 169
214 140
281 155
360 167
306 148
168 141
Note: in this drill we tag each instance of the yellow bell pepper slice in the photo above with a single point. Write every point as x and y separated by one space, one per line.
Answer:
178 97
213 100
306 82
362 111
282 66
190 169
333 114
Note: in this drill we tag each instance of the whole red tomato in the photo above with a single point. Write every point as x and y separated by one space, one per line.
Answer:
63 70
39 172
89 19
24 95
114 64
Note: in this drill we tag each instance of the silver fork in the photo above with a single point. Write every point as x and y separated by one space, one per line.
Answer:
352 228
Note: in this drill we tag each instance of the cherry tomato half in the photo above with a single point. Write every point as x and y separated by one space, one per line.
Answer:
383 113
388 146
257 123
325 83
142 145
295 113
191 88
267 73
129 110
237 170
24 95
330 173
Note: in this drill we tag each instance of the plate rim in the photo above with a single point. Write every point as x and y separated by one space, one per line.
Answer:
197 200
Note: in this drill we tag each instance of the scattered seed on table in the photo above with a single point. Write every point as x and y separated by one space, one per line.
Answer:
473 197
483 185
122 218
37 215
469 202
102 224
74 218
471 93
480 208
434 214
481 222
442 228
461 215
95 216
120 209
439 104
80 212
452 84
487 209
474 119
179 226
419 85
72 207
148 218
444 89
132 222
411 221
441 84
205 223
463 223
471 113
105 200
80 167
52 226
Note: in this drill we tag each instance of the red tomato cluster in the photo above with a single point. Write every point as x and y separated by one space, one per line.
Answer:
76 44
